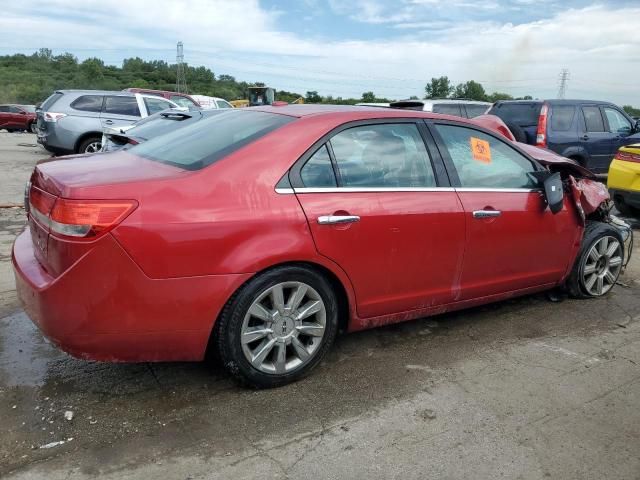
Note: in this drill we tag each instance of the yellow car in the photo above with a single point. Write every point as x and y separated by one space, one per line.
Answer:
624 180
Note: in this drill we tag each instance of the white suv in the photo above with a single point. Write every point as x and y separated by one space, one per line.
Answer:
447 106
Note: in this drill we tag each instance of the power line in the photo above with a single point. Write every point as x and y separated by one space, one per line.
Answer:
564 79
181 76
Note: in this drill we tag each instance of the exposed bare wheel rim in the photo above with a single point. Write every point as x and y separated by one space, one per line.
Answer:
602 266
93 147
283 328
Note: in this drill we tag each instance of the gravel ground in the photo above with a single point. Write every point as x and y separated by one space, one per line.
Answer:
526 389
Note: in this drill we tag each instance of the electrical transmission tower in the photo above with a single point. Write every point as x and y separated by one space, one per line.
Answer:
564 80
181 78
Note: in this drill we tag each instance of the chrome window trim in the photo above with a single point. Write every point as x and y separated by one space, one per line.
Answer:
288 191
372 189
504 190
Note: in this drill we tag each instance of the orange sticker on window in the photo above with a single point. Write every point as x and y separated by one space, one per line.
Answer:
480 150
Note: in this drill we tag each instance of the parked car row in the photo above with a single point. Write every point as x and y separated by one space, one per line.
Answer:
258 233
72 121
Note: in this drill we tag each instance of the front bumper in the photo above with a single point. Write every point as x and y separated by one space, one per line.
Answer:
105 308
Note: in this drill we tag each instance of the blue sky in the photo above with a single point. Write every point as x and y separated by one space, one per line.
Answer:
344 48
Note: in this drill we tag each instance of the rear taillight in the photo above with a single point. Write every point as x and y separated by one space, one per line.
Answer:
541 133
88 218
77 218
53 117
627 157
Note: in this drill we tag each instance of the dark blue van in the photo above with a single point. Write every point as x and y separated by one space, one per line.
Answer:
588 131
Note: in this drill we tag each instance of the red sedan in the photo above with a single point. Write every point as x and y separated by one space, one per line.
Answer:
261 232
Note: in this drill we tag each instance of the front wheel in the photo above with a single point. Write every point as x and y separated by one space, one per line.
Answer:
599 262
33 128
278 327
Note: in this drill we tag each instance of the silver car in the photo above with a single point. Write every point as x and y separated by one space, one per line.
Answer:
72 121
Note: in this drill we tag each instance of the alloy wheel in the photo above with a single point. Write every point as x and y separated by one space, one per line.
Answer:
93 147
602 266
283 328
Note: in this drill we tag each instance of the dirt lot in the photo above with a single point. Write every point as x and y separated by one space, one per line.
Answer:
525 389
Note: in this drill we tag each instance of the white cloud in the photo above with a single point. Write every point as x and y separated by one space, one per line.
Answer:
599 45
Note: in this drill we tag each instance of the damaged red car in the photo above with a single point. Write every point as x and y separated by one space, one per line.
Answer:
260 233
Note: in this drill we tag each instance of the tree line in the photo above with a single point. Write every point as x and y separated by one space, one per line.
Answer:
30 79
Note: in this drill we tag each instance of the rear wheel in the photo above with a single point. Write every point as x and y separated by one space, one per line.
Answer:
278 327
90 145
33 127
599 262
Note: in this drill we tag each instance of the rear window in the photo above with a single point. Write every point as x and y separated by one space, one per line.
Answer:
50 101
207 141
88 103
520 114
562 118
156 125
182 101
475 110
447 109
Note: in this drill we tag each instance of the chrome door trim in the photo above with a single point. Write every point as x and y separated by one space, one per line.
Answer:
285 191
337 219
486 213
503 190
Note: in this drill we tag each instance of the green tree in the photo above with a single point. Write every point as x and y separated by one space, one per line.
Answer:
471 90
633 112
312 97
495 96
368 97
439 88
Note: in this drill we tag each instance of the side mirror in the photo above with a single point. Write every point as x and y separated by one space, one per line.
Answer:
637 126
554 193
22 112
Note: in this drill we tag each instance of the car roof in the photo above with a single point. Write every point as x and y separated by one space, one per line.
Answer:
349 112
95 92
556 101
145 90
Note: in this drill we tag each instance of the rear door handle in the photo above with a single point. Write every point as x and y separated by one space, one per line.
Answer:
109 122
486 213
337 219
585 137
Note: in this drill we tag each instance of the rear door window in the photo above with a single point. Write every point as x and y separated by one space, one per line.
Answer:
210 139
121 105
88 103
447 109
593 119
562 118
223 104
318 171
4 108
382 155
483 161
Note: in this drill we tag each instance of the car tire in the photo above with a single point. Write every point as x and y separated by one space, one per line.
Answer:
518 133
33 128
277 327
90 145
599 262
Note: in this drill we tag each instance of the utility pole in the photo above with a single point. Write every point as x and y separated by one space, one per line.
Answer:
564 80
181 78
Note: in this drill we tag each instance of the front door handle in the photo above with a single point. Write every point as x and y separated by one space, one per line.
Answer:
337 219
486 213
109 122
585 137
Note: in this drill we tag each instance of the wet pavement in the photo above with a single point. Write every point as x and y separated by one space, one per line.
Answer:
526 388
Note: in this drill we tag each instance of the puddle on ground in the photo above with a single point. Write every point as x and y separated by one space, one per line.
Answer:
24 354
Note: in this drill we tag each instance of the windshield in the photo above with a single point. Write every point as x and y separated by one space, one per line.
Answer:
203 143
29 108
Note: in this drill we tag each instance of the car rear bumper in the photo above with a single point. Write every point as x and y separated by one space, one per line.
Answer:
105 308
